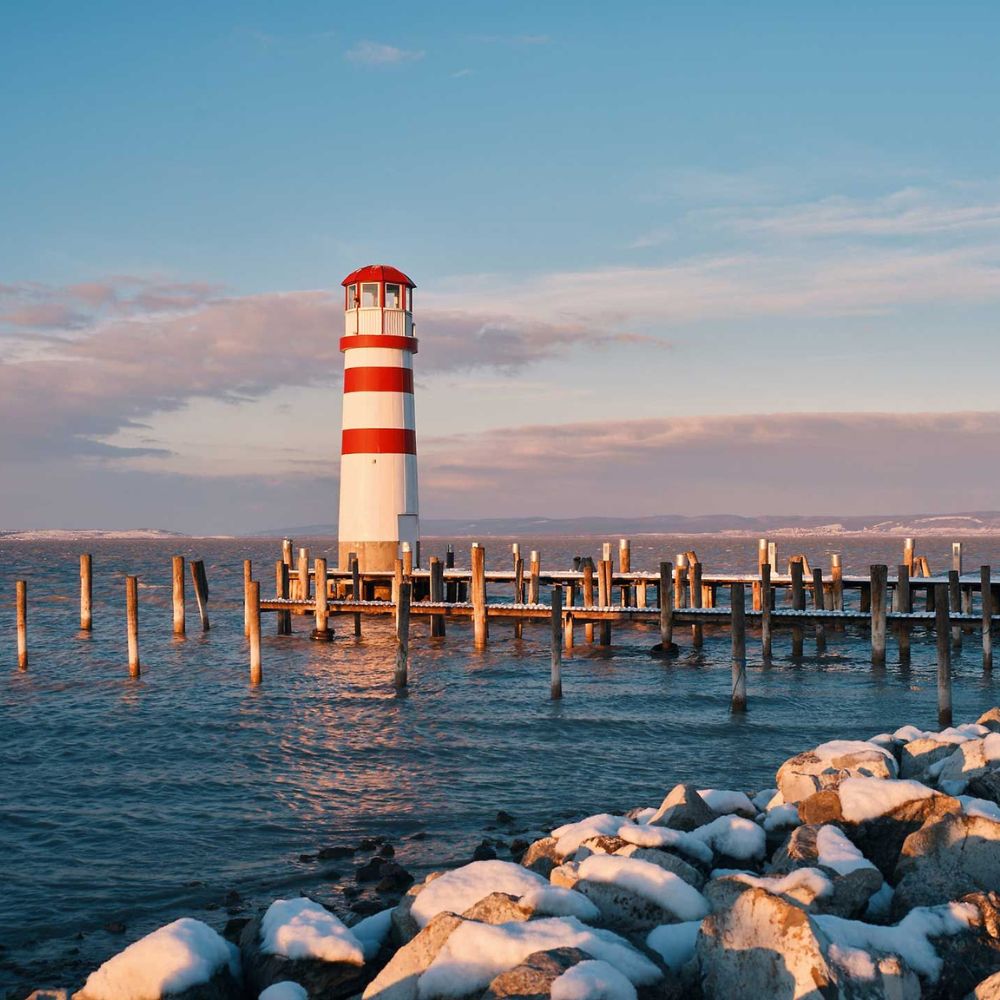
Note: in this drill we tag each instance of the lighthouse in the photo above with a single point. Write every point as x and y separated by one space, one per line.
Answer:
378 464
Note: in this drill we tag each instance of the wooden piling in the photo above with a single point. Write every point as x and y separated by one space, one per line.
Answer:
437 594
837 581
407 560
986 594
286 552
766 605
284 618
451 587
357 590
518 589
132 623
200 579
556 673
403 635
177 593
21 597
737 600
798 596
247 580
86 592
955 603
322 631
588 595
909 547
534 577
680 574
941 623
302 587
253 619
879 577
697 600
819 604
625 566
904 604
666 608
761 560
604 600
480 623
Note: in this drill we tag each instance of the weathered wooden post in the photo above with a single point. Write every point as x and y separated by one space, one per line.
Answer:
588 595
694 585
286 553
625 566
534 578
761 559
437 595
177 594
284 618
132 623
322 632
986 594
879 577
904 604
247 580
253 619
518 592
302 588
407 560
737 600
604 600
200 578
556 677
451 588
21 597
680 574
819 604
480 623
941 622
909 547
837 581
357 590
955 604
798 604
766 605
86 592
403 634
666 608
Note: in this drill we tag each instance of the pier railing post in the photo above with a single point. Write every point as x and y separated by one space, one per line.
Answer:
437 595
322 631
737 600
941 628
766 604
287 548
177 594
253 619
86 592
480 624
407 560
837 581
904 603
21 598
986 595
680 567
955 603
666 608
302 590
403 635
761 559
625 566
132 622
604 600
556 672
879 577
534 578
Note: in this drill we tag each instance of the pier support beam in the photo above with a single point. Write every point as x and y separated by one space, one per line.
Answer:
879 577
941 623
253 619
737 599
555 681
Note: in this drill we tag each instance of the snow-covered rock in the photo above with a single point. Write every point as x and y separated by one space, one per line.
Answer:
723 802
182 959
683 809
971 759
571 835
669 862
592 980
828 764
535 975
542 856
732 837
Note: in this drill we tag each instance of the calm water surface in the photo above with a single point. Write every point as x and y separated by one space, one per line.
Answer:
140 801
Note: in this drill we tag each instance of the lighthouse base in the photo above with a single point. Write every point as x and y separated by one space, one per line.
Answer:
373 557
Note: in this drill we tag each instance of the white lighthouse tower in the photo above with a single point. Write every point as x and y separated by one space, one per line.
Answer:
378 465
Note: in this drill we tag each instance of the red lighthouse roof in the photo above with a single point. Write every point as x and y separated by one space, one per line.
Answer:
377 272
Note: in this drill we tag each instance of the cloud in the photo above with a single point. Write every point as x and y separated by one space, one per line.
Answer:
379 54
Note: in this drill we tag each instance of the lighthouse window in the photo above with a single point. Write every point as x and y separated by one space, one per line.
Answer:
369 296
352 296
392 297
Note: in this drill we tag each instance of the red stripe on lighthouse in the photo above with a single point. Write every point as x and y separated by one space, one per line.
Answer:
378 380
378 340
378 441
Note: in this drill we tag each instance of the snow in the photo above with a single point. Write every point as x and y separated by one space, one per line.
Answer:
644 815
979 807
879 904
842 748
675 943
953 734
570 836
909 939
285 990
782 817
593 980
372 932
725 801
660 836
555 901
864 799
476 953
801 878
732 835
301 928
857 963
650 881
169 960
835 851
763 799
457 890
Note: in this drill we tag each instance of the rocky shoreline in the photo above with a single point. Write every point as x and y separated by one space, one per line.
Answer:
871 869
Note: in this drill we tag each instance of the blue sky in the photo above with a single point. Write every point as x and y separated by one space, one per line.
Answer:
616 215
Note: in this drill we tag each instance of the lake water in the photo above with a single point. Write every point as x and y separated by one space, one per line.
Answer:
140 801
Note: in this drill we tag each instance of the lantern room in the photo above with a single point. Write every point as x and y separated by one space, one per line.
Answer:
378 299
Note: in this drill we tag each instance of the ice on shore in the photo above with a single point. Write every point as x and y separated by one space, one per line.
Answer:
171 959
301 928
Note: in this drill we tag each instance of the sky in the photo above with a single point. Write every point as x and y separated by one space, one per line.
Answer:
670 257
